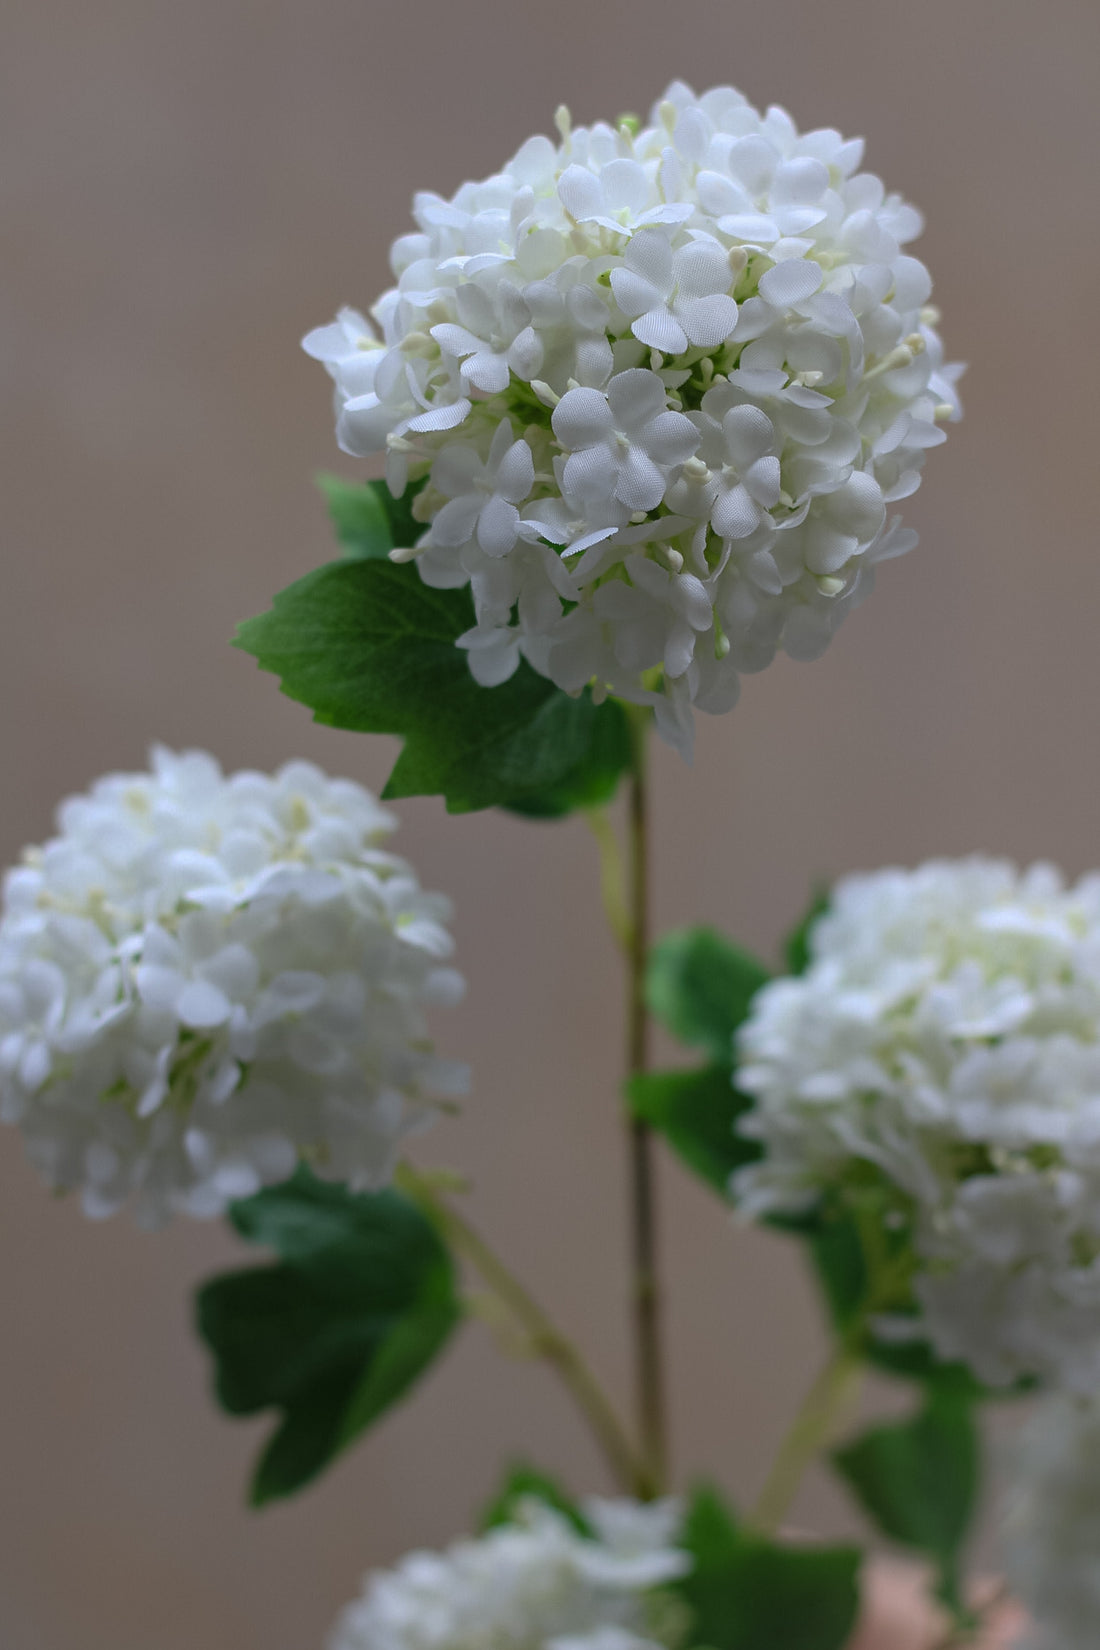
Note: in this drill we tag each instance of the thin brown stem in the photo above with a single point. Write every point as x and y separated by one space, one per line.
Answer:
645 1286
543 1336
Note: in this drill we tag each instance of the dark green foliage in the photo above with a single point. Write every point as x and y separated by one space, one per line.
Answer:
360 1302
748 1593
697 1112
918 1480
369 647
700 985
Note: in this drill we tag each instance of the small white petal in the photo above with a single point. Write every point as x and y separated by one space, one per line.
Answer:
201 1005
582 418
790 282
660 330
498 527
708 322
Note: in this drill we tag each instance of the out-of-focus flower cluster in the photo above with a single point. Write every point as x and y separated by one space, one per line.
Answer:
534 1584
944 1047
204 978
1052 1524
664 386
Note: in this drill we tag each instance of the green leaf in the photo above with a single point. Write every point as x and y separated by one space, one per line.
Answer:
697 1112
701 985
359 1304
524 1482
748 1593
918 1480
594 779
368 520
710 1530
796 947
359 516
368 646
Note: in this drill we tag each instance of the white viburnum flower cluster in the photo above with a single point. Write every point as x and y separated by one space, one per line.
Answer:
204 979
534 1584
1051 1532
663 387
944 1044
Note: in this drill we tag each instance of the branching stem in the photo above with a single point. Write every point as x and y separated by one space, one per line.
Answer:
543 1336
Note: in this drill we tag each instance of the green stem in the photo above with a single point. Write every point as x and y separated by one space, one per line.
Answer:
612 879
645 1286
812 1430
546 1340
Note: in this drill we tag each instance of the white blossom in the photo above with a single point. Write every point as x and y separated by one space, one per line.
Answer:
533 1584
738 448
707 329
1051 1524
675 298
482 497
945 1041
204 978
623 442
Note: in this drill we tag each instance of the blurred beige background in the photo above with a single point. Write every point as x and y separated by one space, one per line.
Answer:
185 190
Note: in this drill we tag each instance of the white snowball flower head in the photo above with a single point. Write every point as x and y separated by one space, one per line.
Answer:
1052 1524
535 1584
944 1046
204 978
662 387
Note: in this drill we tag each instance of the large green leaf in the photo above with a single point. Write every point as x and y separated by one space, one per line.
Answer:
361 1301
918 1480
748 1593
701 985
523 1482
697 1112
368 646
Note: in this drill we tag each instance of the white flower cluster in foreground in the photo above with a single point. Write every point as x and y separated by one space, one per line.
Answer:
946 1040
1052 1525
664 386
531 1585
203 978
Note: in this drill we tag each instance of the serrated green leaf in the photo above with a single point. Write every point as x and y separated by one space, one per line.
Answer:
369 647
361 1301
918 1480
524 1482
796 947
748 1593
700 985
697 1112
